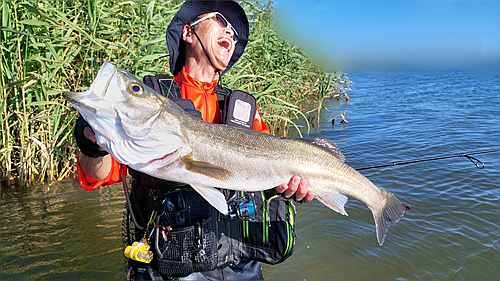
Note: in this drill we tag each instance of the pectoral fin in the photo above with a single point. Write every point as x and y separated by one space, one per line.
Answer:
335 202
213 196
206 169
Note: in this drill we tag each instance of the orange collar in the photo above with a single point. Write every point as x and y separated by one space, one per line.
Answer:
183 78
202 94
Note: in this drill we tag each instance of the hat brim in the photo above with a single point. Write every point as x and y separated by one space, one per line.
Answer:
188 12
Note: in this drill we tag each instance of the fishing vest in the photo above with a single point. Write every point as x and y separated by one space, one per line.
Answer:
238 107
189 235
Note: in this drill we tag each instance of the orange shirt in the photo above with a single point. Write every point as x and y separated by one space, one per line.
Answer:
205 100
202 94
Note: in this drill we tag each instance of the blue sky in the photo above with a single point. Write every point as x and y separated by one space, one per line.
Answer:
379 34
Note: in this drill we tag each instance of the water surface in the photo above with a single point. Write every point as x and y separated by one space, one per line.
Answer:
452 232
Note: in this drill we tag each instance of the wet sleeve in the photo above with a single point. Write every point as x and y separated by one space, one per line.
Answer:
114 176
259 125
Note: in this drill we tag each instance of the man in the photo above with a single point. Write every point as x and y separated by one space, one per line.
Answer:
205 39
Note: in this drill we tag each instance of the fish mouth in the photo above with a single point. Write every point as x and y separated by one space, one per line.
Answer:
98 88
106 74
225 43
69 97
75 99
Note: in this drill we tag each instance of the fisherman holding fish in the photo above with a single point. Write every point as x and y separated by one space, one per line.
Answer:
187 238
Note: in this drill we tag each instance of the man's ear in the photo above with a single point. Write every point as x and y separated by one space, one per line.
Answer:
187 34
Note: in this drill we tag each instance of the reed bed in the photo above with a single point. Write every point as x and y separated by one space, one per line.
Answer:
48 47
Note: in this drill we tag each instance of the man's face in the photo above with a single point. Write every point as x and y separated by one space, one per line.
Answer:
218 40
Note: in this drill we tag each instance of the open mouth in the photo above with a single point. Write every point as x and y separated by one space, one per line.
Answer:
103 79
225 43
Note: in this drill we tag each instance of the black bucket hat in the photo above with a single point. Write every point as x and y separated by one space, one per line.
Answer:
188 12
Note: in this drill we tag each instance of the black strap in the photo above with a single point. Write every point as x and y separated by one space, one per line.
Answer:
164 84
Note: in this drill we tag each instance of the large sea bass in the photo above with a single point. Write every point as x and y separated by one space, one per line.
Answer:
151 134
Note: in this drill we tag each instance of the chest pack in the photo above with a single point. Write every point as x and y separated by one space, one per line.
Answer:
238 108
186 233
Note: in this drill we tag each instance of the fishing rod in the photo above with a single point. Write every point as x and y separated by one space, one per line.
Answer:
474 160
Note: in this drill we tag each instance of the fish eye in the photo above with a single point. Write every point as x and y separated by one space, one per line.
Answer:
136 89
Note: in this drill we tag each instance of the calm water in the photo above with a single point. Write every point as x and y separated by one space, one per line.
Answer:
452 232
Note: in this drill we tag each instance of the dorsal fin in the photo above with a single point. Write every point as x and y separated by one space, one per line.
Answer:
327 145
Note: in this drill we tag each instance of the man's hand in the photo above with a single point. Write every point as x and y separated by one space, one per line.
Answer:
94 161
298 186
89 134
86 140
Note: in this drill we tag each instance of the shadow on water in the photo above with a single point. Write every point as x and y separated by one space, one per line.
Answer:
452 232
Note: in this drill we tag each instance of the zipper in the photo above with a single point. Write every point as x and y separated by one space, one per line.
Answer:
246 233
264 218
290 229
206 103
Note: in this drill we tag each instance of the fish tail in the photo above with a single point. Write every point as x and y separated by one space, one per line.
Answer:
391 212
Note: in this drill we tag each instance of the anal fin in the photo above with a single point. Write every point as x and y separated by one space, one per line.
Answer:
335 202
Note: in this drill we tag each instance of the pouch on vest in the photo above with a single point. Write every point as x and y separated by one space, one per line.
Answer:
270 238
190 235
239 109
185 235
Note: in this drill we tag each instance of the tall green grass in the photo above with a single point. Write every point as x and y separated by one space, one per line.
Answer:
48 47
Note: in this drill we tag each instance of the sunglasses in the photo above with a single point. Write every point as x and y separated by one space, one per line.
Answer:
221 20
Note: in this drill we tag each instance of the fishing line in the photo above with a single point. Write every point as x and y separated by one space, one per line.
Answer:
474 160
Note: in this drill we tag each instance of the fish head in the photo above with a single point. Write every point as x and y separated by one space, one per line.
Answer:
131 121
138 106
